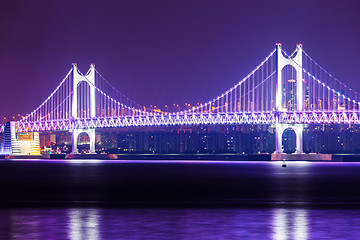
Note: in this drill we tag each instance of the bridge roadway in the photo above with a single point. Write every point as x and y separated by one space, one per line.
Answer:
178 119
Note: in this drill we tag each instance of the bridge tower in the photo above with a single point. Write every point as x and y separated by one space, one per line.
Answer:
296 63
90 80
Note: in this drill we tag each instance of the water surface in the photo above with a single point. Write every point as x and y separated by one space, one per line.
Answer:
92 199
154 223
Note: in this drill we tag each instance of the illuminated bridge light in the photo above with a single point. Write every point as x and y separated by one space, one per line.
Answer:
259 98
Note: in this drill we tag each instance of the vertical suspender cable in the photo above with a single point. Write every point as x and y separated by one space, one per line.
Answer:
240 96
263 93
272 101
248 93
314 92
253 92
231 103
236 100
227 102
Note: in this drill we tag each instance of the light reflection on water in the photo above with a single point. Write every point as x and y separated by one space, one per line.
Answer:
223 223
299 182
83 224
290 224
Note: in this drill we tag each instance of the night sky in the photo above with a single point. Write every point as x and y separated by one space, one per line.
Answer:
164 52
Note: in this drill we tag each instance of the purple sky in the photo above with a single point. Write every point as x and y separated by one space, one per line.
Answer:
164 52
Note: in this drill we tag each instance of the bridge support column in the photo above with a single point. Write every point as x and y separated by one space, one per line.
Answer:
90 80
74 141
281 106
91 133
75 136
299 139
298 129
278 138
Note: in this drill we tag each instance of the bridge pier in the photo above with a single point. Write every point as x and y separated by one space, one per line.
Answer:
298 129
75 136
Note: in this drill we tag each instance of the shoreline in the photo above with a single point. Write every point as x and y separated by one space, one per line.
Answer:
200 157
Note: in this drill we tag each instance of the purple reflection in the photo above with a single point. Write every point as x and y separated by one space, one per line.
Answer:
253 223
83 224
290 224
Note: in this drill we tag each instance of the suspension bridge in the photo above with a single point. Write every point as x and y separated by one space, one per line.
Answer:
284 91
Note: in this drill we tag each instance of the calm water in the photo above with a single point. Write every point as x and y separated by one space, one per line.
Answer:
95 223
178 200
